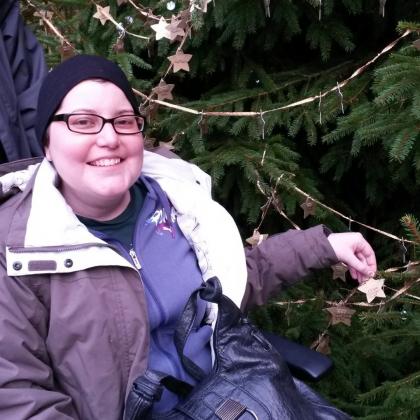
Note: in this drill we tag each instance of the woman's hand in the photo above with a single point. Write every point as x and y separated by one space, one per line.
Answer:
352 249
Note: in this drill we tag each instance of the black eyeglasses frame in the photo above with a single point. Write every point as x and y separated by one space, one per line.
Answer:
65 118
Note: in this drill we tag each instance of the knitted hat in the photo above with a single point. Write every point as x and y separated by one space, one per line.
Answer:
67 75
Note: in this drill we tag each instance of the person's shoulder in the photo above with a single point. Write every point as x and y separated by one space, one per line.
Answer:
15 180
162 168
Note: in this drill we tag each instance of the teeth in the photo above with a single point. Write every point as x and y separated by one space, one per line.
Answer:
106 162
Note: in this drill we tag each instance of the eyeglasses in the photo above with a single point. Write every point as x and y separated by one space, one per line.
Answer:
93 124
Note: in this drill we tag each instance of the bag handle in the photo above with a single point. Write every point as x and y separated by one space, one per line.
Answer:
147 389
210 291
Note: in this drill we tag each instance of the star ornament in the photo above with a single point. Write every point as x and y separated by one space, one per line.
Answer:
256 238
339 271
175 28
309 207
324 345
102 13
340 314
43 14
180 61
373 288
162 29
163 90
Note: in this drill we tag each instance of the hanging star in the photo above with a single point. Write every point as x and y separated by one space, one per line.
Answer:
66 51
118 47
43 14
102 13
256 238
162 29
163 90
180 61
339 271
340 314
373 288
175 29
323 346
309 207
204 126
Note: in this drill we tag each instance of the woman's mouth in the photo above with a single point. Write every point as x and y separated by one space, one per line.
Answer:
105 162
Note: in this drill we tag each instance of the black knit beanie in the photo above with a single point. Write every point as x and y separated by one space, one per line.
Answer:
66 76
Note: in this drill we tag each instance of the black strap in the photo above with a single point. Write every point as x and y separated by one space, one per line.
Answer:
210 291
182 331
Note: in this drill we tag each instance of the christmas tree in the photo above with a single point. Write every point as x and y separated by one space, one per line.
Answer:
303 112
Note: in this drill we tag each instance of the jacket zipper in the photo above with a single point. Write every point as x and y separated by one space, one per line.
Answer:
134 258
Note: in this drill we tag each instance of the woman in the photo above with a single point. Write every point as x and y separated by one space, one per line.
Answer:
102 244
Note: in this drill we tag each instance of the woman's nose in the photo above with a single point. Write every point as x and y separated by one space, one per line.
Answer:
108 137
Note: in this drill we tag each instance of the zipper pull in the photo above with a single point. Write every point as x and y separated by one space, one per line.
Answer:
136 261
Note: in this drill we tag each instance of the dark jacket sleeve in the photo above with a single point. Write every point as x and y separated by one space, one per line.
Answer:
284 259
22 71
27 385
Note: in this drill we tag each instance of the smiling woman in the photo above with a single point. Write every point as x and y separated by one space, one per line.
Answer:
97 164
101 246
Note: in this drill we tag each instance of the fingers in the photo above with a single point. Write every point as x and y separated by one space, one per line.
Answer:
352 249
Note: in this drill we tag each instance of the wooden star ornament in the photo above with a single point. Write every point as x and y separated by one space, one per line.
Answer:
256 238
175 28
309 207
102 13
162 29
323 345
163 90
373 288
340 314
66 51
180 61
339 271
43 14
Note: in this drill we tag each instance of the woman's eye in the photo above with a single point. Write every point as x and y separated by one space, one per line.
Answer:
83 122
124 121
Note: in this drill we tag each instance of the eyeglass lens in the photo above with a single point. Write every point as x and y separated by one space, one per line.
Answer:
92 124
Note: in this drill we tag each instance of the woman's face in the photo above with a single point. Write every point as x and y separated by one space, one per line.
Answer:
96 170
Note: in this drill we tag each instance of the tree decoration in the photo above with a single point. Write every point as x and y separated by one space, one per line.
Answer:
43 14
256 238
309 207
66 51
162 29
179 61
373 288
170 5
323 345
102 13
339 271
163 90
119 45
340 314
202 5
176 28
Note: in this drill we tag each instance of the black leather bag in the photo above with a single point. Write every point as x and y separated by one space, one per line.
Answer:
249 379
